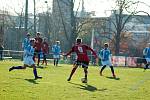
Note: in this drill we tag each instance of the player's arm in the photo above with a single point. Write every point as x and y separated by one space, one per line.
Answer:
53 48
100 54
59 50
94 53
144 52
72 50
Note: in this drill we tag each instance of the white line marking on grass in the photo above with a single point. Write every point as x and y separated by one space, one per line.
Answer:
140 83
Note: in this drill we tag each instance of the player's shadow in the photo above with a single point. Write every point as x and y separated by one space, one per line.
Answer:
33 81
41 67
117 78
58 66
85 87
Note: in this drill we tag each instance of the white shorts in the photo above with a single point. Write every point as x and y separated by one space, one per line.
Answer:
107 63
56 56
147 60
28 60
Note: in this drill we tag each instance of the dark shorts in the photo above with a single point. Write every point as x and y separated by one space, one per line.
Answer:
84 64
37 52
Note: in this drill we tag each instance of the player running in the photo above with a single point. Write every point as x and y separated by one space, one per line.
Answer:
28 60
37 46
45 51
105 55
82 57
146 54
56 52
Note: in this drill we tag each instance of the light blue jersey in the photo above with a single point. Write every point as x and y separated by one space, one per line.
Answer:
146 52
56 50
26 42
105 54
29 51
28 55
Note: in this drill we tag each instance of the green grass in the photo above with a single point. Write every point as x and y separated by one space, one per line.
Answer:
131 84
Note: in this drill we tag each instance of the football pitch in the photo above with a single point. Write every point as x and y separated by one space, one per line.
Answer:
130 84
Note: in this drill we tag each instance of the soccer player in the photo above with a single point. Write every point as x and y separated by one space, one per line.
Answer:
82 57
37 46
45 51
105 55
146 54
28 60
56 52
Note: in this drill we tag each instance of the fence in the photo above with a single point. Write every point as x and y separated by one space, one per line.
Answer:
116 60
127 61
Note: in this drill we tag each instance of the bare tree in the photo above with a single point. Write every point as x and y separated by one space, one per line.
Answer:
119 19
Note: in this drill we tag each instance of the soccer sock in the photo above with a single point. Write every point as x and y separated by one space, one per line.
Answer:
146 66
112 70
102 68
72 72
43 62
86 72
54 62
18 67
46 62
38 59
35 72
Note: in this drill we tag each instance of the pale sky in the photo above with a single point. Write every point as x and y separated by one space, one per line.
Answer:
101 7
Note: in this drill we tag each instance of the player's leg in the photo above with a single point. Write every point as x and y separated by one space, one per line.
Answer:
147 63
75 66
1 55
146 66
35 72
86 74
103 67
57 61
17 67
45 59
54 61
38 58
85 66
113 72
54 57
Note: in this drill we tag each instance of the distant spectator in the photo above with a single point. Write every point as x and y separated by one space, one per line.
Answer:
146 54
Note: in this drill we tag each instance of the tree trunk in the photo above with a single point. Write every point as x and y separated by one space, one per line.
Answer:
117 43
73 24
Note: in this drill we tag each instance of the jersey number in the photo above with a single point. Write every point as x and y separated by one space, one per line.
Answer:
80 49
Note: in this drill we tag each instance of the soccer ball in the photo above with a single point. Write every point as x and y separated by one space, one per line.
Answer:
83 80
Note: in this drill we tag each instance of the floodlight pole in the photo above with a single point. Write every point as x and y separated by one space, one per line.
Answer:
34 16
26 17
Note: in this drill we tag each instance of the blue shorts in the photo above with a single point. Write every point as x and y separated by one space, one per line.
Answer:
56 56
28 60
